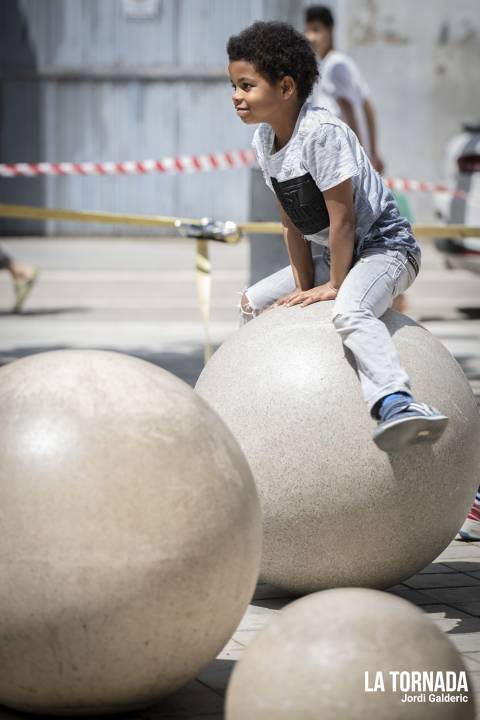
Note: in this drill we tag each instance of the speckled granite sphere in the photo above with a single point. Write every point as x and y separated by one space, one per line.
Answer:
322 657
337 510
130 533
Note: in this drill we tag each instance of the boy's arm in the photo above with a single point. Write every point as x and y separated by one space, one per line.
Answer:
339 201
299 252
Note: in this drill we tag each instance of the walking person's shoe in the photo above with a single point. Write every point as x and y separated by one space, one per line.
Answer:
406 422
22 287
470 530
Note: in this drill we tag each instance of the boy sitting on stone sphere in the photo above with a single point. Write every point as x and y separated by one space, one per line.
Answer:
323 178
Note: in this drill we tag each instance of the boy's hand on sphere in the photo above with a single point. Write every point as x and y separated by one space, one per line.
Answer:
308 297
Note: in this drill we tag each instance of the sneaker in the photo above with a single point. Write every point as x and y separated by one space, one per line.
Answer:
410 424
22 290
470 530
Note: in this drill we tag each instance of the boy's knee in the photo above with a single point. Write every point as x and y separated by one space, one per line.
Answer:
341 320
348 319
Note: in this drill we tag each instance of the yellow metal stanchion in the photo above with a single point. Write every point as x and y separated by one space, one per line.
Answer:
204 287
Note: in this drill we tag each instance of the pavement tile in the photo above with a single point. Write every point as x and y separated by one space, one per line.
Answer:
265 590
255 618
273 603
245 637
414 596
195 699
465 642
471 660
474 676
459 551
473 608
441 580
216 676
453 596
467 566
232 651
476 698
448 610
436 567
456 624
452 620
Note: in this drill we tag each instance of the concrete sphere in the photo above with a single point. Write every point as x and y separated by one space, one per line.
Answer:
311 661
337 510
130 533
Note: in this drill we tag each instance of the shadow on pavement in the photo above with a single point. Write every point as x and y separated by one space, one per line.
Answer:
186 365
45 311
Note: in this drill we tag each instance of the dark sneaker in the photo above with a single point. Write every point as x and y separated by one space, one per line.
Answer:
411 424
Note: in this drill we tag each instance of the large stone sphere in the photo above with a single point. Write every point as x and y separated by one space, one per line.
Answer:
130 533
337 510
311 663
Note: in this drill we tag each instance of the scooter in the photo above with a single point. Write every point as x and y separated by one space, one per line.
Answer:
462 204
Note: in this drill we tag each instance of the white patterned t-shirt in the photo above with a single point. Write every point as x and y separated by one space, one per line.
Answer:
326 148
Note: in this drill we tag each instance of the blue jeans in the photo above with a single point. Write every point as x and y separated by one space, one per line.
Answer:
376 278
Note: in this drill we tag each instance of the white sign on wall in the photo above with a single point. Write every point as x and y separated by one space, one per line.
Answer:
141 9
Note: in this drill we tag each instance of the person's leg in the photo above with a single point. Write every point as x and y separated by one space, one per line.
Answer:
18 271
367 292
23 277
264 294
5 260
365 295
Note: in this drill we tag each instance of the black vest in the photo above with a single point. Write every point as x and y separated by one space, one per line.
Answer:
303 202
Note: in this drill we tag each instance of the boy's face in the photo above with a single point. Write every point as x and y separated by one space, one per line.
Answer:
255 99
319 37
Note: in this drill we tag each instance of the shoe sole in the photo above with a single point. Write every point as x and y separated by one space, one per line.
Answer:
466 537
410 431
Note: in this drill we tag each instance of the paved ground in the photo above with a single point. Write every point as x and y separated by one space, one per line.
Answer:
140 298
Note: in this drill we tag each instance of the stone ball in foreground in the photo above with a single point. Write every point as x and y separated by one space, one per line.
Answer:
130 533
337 510
323 656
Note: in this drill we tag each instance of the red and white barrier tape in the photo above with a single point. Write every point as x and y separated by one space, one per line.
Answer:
181 164
417 186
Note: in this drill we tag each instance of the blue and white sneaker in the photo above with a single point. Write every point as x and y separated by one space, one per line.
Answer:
409 423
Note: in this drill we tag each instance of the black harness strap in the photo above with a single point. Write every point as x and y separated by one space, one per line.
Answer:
303 202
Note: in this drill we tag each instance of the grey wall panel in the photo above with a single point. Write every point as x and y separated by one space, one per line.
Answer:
206 123
204 27
110 121
22 120
67 33
122 121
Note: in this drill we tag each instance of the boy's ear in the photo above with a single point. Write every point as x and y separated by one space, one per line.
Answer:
287 86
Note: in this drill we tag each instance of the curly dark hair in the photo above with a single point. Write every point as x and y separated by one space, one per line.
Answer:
276 49
321 14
